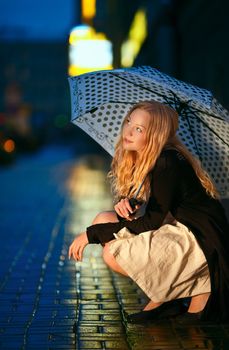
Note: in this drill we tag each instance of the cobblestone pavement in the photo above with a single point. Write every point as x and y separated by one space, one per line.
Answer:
48 301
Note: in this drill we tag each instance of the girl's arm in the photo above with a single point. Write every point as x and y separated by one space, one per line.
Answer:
165 176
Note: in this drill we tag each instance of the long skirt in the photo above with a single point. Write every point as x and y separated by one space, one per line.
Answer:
166 263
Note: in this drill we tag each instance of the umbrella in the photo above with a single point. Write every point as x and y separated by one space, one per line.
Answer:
101 99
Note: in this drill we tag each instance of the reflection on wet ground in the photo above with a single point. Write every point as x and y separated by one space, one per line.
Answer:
49 302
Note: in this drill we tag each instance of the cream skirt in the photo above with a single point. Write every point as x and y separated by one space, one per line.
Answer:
166 263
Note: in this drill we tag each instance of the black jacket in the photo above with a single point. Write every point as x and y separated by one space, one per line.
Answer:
176 188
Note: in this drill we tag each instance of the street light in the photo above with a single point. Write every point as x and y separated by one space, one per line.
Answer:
88 51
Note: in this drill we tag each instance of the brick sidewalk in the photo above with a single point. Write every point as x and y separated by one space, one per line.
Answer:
49 302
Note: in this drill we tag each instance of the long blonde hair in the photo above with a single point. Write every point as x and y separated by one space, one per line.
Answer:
129 168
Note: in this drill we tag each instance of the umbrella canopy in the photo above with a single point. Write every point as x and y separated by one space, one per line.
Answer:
100 100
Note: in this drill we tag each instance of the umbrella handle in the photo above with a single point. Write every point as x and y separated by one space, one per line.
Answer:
133 202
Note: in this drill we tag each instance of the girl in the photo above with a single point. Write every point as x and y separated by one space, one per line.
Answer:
187 256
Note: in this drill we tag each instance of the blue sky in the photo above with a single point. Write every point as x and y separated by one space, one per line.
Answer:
36 19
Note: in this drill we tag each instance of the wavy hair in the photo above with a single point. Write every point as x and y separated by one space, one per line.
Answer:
129 168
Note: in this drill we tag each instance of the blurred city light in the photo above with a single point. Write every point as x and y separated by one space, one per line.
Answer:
9 146
88 191
88 9
84 42
137 34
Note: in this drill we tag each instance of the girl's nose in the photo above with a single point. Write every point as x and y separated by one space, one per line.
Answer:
130 131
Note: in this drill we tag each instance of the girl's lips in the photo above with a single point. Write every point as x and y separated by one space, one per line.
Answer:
127 141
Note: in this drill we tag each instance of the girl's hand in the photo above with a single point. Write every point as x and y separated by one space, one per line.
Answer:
77 247
124 209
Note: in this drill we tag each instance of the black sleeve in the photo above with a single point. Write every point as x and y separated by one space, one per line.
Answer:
163 189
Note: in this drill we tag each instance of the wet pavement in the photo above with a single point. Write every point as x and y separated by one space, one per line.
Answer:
50 302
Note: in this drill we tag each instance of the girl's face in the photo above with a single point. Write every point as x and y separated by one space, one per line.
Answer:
134 130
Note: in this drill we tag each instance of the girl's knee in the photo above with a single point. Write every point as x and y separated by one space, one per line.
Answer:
104 217
107 256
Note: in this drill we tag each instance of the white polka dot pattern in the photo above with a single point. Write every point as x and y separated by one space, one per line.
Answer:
100 100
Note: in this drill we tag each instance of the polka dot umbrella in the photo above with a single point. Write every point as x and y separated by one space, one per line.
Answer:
101 99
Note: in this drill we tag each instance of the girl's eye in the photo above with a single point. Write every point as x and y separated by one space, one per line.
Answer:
139 129
128 121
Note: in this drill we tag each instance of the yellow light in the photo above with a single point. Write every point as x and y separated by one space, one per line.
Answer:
128 49
138 29
76 70
80 32
9 146
137 34
84 43
84 32
88 8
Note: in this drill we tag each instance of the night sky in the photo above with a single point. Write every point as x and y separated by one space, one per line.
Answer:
36 19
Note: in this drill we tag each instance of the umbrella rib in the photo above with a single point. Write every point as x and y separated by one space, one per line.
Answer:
214 132
193 135
212 115
163 96
138 85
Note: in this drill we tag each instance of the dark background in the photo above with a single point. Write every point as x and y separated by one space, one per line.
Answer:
188 39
